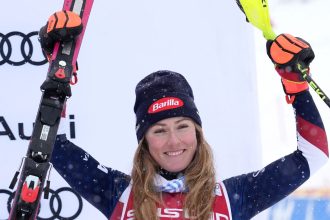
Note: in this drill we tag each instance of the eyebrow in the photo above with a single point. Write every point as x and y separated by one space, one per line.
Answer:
176 122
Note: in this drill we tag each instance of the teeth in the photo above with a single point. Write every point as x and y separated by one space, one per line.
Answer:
174 153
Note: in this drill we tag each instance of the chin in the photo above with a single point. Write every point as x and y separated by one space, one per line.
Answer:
175 169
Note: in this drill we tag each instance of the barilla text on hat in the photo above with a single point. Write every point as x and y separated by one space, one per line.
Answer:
165 104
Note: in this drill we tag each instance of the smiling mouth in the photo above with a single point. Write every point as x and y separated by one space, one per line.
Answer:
174 153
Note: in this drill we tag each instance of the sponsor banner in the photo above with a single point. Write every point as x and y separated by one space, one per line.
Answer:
125 41
303 205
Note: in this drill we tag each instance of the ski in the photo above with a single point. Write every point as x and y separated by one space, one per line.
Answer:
55 90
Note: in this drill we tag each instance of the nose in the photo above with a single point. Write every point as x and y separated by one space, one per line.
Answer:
173 139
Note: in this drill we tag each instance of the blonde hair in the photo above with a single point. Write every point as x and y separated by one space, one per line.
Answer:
200 179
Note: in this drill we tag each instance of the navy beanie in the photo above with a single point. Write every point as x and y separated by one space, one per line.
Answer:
160 95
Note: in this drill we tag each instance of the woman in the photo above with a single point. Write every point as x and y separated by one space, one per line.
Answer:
173 175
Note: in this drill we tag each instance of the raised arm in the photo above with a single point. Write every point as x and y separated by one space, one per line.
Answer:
99 185
288 53
252 193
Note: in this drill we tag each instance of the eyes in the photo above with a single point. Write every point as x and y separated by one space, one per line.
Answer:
159 129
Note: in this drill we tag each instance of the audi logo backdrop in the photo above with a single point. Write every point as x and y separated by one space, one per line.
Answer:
207 41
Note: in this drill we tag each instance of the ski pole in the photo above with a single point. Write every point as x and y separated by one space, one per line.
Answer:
257 13
304 71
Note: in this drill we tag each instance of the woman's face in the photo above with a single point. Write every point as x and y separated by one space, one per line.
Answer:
172 143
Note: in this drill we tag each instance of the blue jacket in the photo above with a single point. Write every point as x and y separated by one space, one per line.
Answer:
244 196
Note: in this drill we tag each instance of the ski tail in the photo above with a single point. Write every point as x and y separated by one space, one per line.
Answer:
83 9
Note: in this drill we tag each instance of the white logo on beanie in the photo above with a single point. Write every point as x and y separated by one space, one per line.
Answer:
165 104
